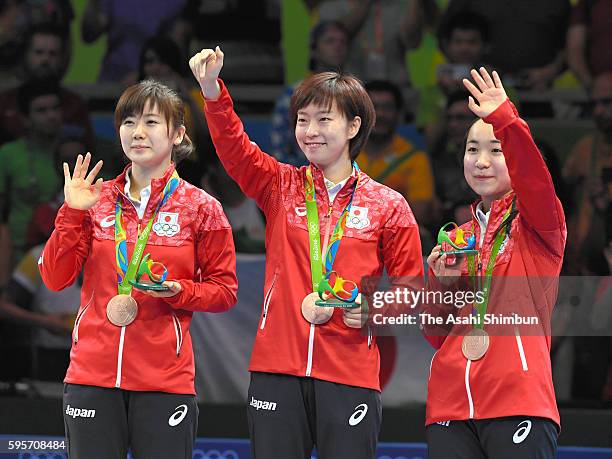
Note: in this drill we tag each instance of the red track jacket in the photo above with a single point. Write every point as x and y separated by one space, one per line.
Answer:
514 377
154 352
381 233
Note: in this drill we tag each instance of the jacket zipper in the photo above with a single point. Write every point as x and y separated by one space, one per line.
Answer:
468 365
122 335
521 350
79 317
120 357
178 332
311 333
267 299
467 387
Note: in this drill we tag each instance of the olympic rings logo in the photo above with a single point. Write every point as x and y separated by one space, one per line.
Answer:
215 454
165 227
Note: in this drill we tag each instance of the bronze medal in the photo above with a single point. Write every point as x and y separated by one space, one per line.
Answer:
475 344
315 314
121 310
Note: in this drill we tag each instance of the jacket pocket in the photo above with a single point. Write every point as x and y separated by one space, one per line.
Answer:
267 299
79 318
178 331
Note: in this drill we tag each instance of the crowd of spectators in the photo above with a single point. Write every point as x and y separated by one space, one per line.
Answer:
416 146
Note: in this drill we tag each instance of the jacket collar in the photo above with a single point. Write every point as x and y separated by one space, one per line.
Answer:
496 212
157 184
321 189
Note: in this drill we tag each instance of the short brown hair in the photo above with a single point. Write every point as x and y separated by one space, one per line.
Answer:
169 104
347 92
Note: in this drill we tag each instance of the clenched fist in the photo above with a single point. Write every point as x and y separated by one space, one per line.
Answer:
206 66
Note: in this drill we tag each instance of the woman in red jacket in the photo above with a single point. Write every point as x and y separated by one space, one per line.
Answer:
490 389
130 383
314 371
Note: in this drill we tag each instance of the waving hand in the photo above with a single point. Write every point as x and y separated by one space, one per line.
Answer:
488 91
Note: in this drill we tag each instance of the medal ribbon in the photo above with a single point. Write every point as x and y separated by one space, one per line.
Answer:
481 307
314 230
126 271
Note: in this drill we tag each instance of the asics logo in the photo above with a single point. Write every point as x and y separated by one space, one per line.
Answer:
178 416
522 432
358 415
107 222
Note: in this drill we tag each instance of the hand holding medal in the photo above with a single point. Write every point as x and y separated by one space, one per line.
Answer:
122 309
155 271
333 292
464 242
330 290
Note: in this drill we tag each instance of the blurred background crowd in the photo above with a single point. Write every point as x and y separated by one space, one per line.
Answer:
63 64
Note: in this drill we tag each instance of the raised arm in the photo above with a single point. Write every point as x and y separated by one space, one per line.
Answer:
537 202
67 249
257 173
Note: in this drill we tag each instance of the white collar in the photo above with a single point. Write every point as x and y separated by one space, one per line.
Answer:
481 215
483 220
334 188
144 193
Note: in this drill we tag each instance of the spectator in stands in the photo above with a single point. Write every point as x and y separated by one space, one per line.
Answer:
587 171
589 40
527 38
328 51
247 221
42 338
128 24
162 60
464 40
41 226
381 33
391 159
27 172
43 60
13 30
37 346
453 194
58 13
249 29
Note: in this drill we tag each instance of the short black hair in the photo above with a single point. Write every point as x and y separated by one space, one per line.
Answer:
167 51
317 32
32 89
387 86
465 20
45 29
459 95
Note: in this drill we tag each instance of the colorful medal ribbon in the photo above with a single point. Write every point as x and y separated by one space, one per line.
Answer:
481 307
126 271
318 266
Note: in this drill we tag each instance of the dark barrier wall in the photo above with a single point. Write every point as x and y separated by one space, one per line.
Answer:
581 427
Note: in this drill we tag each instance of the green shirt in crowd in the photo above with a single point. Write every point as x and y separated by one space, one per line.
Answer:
27 179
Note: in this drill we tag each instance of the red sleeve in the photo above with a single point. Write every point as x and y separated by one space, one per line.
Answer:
216 290
537 202
401 244
257 173
436 334
402 257
67 248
